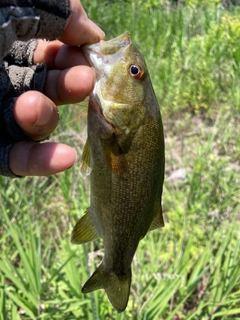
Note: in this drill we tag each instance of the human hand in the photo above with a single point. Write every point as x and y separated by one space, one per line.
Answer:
69 80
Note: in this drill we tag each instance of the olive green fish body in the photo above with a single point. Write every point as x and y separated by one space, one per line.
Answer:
125 151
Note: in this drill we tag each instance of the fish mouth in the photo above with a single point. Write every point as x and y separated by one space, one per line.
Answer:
104 53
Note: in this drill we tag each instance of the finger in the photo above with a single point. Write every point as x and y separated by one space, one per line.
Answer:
36 114
57 55
80 29
70 85
33 159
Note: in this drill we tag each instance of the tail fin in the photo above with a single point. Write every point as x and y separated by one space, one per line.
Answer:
117 288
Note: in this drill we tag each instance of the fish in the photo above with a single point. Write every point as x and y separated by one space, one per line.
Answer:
124 156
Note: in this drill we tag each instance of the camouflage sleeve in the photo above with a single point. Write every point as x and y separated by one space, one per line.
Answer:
27 20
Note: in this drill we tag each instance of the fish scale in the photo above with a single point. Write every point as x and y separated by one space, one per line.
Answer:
124 154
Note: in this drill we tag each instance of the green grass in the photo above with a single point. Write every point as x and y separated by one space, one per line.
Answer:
189 269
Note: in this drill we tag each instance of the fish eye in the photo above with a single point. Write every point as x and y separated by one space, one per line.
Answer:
135 71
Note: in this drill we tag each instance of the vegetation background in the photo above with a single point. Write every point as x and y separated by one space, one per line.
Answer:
189 269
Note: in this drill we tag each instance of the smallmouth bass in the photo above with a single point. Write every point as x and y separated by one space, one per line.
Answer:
124 154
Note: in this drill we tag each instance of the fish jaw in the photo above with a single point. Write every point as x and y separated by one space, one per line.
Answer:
106 52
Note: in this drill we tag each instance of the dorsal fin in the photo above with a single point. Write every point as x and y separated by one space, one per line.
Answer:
157 220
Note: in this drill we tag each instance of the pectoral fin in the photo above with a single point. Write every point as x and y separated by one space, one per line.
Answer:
85 168
84 231
115 158
157 220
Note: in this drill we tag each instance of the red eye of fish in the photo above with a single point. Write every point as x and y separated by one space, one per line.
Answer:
136 71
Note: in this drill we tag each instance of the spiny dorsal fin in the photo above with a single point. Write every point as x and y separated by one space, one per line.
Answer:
157 220
84 231
116 287
85 168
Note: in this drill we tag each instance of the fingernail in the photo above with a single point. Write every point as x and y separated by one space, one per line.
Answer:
98 30
45 114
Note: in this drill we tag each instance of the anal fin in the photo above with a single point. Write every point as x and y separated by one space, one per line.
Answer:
84 231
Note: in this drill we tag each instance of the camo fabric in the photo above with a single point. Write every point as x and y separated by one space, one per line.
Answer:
21 21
